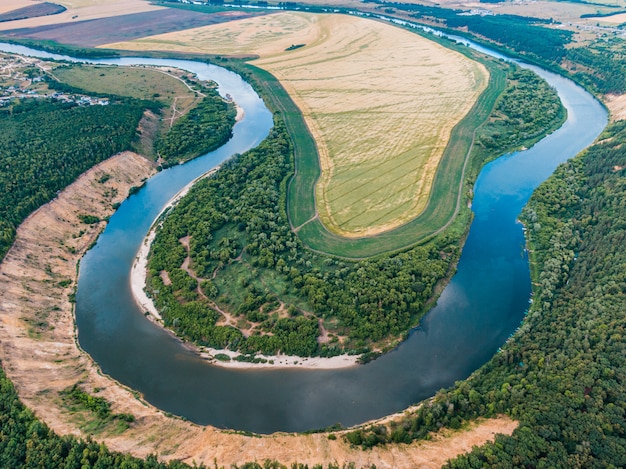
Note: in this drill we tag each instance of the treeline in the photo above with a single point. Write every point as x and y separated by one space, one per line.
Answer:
526 35
527 109
603 65
207 126
46 145
562 376
246 261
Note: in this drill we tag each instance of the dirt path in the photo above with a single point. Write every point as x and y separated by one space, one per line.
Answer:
40 355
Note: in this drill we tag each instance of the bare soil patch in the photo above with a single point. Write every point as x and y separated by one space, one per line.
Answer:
317 448
616 105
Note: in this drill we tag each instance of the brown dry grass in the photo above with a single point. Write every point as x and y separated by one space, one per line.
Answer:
380 102
79 10
617 106
43 360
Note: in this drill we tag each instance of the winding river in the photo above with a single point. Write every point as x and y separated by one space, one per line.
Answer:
480 308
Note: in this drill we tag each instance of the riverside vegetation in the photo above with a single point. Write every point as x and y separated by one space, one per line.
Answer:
227 271
565 383
48 143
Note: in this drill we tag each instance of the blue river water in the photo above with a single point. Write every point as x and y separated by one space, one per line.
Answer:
479 309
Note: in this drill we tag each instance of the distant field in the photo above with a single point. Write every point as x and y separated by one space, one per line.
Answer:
265 36
95 32
380 102
77 10
10 5
32 11
141 83
560 11
613 19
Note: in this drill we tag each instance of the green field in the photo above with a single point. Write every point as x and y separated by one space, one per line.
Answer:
135 82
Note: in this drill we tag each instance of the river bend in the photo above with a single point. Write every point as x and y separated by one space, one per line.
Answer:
476 313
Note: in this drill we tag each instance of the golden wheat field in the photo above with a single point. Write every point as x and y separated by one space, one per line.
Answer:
380 101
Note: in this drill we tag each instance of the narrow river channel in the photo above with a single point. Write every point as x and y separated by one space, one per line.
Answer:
480 308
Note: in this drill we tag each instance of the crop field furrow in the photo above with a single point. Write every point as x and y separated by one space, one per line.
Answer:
384 218
374 203
377 174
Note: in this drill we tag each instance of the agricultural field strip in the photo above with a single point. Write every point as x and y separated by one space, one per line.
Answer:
77 11
263 36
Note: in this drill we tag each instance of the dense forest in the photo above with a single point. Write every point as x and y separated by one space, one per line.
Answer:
562 376
46 145
226 270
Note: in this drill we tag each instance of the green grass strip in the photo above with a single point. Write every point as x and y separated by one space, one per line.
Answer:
301 187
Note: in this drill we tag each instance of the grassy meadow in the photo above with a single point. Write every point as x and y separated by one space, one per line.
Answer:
134 82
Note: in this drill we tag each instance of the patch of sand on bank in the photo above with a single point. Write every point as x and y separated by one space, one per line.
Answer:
138 277
617 106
